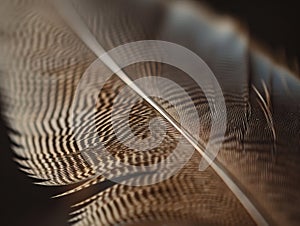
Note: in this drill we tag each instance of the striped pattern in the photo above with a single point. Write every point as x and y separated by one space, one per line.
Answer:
42 62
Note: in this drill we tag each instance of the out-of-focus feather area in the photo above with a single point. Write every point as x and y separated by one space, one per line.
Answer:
42 61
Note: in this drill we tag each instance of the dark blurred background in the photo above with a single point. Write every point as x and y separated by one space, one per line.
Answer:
274 23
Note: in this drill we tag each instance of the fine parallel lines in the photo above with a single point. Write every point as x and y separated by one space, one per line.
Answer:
86 36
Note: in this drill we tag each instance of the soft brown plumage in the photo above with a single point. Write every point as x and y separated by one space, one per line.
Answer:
42 60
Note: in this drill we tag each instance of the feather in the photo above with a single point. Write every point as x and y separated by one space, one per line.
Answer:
253 179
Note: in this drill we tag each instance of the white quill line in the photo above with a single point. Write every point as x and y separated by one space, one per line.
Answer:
79 27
